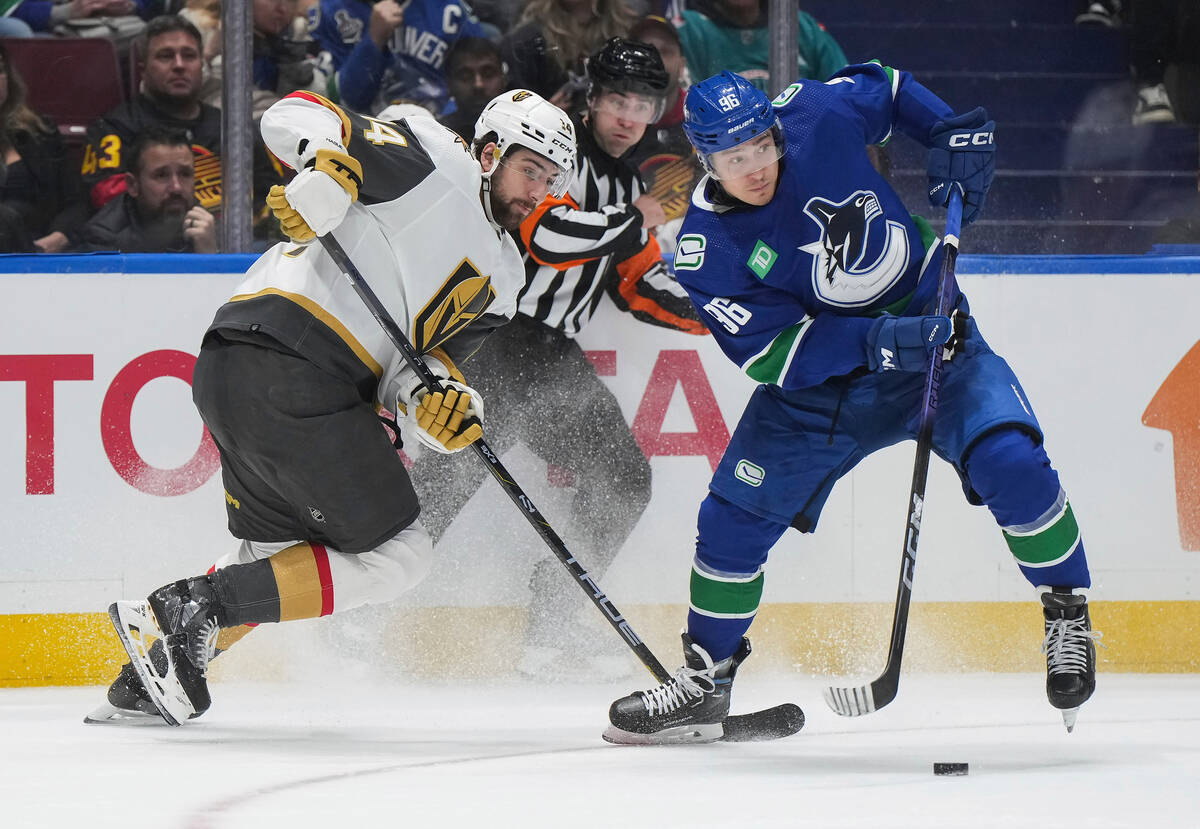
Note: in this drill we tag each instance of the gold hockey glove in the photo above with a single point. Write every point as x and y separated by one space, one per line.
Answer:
445 422
342 168
316 200
448 418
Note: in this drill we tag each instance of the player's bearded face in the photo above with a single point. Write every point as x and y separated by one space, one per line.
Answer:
520 182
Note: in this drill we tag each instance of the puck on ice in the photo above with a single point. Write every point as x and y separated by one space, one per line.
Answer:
949 768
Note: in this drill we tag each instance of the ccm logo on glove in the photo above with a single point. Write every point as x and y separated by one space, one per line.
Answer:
904 343
977 139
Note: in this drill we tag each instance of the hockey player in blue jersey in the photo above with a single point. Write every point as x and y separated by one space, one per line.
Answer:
817 281
390 52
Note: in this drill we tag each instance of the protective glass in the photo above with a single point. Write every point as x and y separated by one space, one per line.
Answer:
555 183
629 106
748 157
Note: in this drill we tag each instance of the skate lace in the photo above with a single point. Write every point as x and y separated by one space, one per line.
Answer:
204 644
1065 645
688 683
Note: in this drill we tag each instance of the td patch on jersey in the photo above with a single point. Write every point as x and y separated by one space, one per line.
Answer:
859 255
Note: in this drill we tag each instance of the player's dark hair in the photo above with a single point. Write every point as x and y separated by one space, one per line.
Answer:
165 24
479 143
155 135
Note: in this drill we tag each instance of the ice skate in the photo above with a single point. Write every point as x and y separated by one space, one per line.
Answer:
184 616
1070 648
688 708
127 702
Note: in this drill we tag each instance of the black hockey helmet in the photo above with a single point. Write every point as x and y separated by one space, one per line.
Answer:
627 66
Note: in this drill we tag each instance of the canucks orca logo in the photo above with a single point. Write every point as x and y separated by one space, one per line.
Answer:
852 265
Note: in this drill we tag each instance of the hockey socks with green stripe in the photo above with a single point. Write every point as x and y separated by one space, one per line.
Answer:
723 606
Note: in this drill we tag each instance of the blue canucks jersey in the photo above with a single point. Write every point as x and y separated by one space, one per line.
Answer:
790 289
411 66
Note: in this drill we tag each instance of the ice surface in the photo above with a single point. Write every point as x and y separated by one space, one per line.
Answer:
355 754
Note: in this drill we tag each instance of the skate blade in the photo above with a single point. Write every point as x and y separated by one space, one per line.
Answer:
107 714
1069 716
679 735
137 629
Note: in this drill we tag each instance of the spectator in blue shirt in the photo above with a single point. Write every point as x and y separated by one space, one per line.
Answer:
389 53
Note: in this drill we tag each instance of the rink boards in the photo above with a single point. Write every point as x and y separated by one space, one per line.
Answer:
110 487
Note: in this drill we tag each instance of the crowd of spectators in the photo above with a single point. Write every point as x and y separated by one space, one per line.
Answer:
122 188
447 57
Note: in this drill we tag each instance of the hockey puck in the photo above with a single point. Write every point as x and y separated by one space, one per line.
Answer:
949 769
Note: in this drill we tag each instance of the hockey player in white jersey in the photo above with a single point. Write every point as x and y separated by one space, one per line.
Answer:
294 368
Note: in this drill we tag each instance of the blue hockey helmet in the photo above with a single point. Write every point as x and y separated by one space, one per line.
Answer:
726 111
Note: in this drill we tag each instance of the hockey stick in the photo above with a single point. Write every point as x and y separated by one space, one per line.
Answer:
769 723
510 486
853 702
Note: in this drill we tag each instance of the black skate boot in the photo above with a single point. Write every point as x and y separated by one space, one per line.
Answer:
127 701
188 612
1070 652
688 708
185 617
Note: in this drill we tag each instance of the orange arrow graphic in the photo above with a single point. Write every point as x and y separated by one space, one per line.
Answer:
1176 408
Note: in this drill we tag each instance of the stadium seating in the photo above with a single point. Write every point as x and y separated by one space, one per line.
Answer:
1072 175
72 80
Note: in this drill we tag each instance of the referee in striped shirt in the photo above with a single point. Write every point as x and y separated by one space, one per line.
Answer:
540 389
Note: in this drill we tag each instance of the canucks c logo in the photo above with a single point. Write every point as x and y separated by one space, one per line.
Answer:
857 259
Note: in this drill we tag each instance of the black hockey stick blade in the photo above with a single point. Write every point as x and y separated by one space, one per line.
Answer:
768 724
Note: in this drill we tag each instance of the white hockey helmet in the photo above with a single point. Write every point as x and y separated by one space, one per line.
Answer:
523 118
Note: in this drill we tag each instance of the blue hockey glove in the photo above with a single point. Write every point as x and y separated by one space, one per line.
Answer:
963 154
904 343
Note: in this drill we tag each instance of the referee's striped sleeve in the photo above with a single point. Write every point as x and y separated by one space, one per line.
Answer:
557 233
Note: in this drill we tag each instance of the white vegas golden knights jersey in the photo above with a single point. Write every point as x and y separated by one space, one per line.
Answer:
417 234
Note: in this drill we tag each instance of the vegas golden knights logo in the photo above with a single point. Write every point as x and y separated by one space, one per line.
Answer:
463 297
521 96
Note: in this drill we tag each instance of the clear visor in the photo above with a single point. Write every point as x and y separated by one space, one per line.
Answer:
543 171
630 106
748 157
